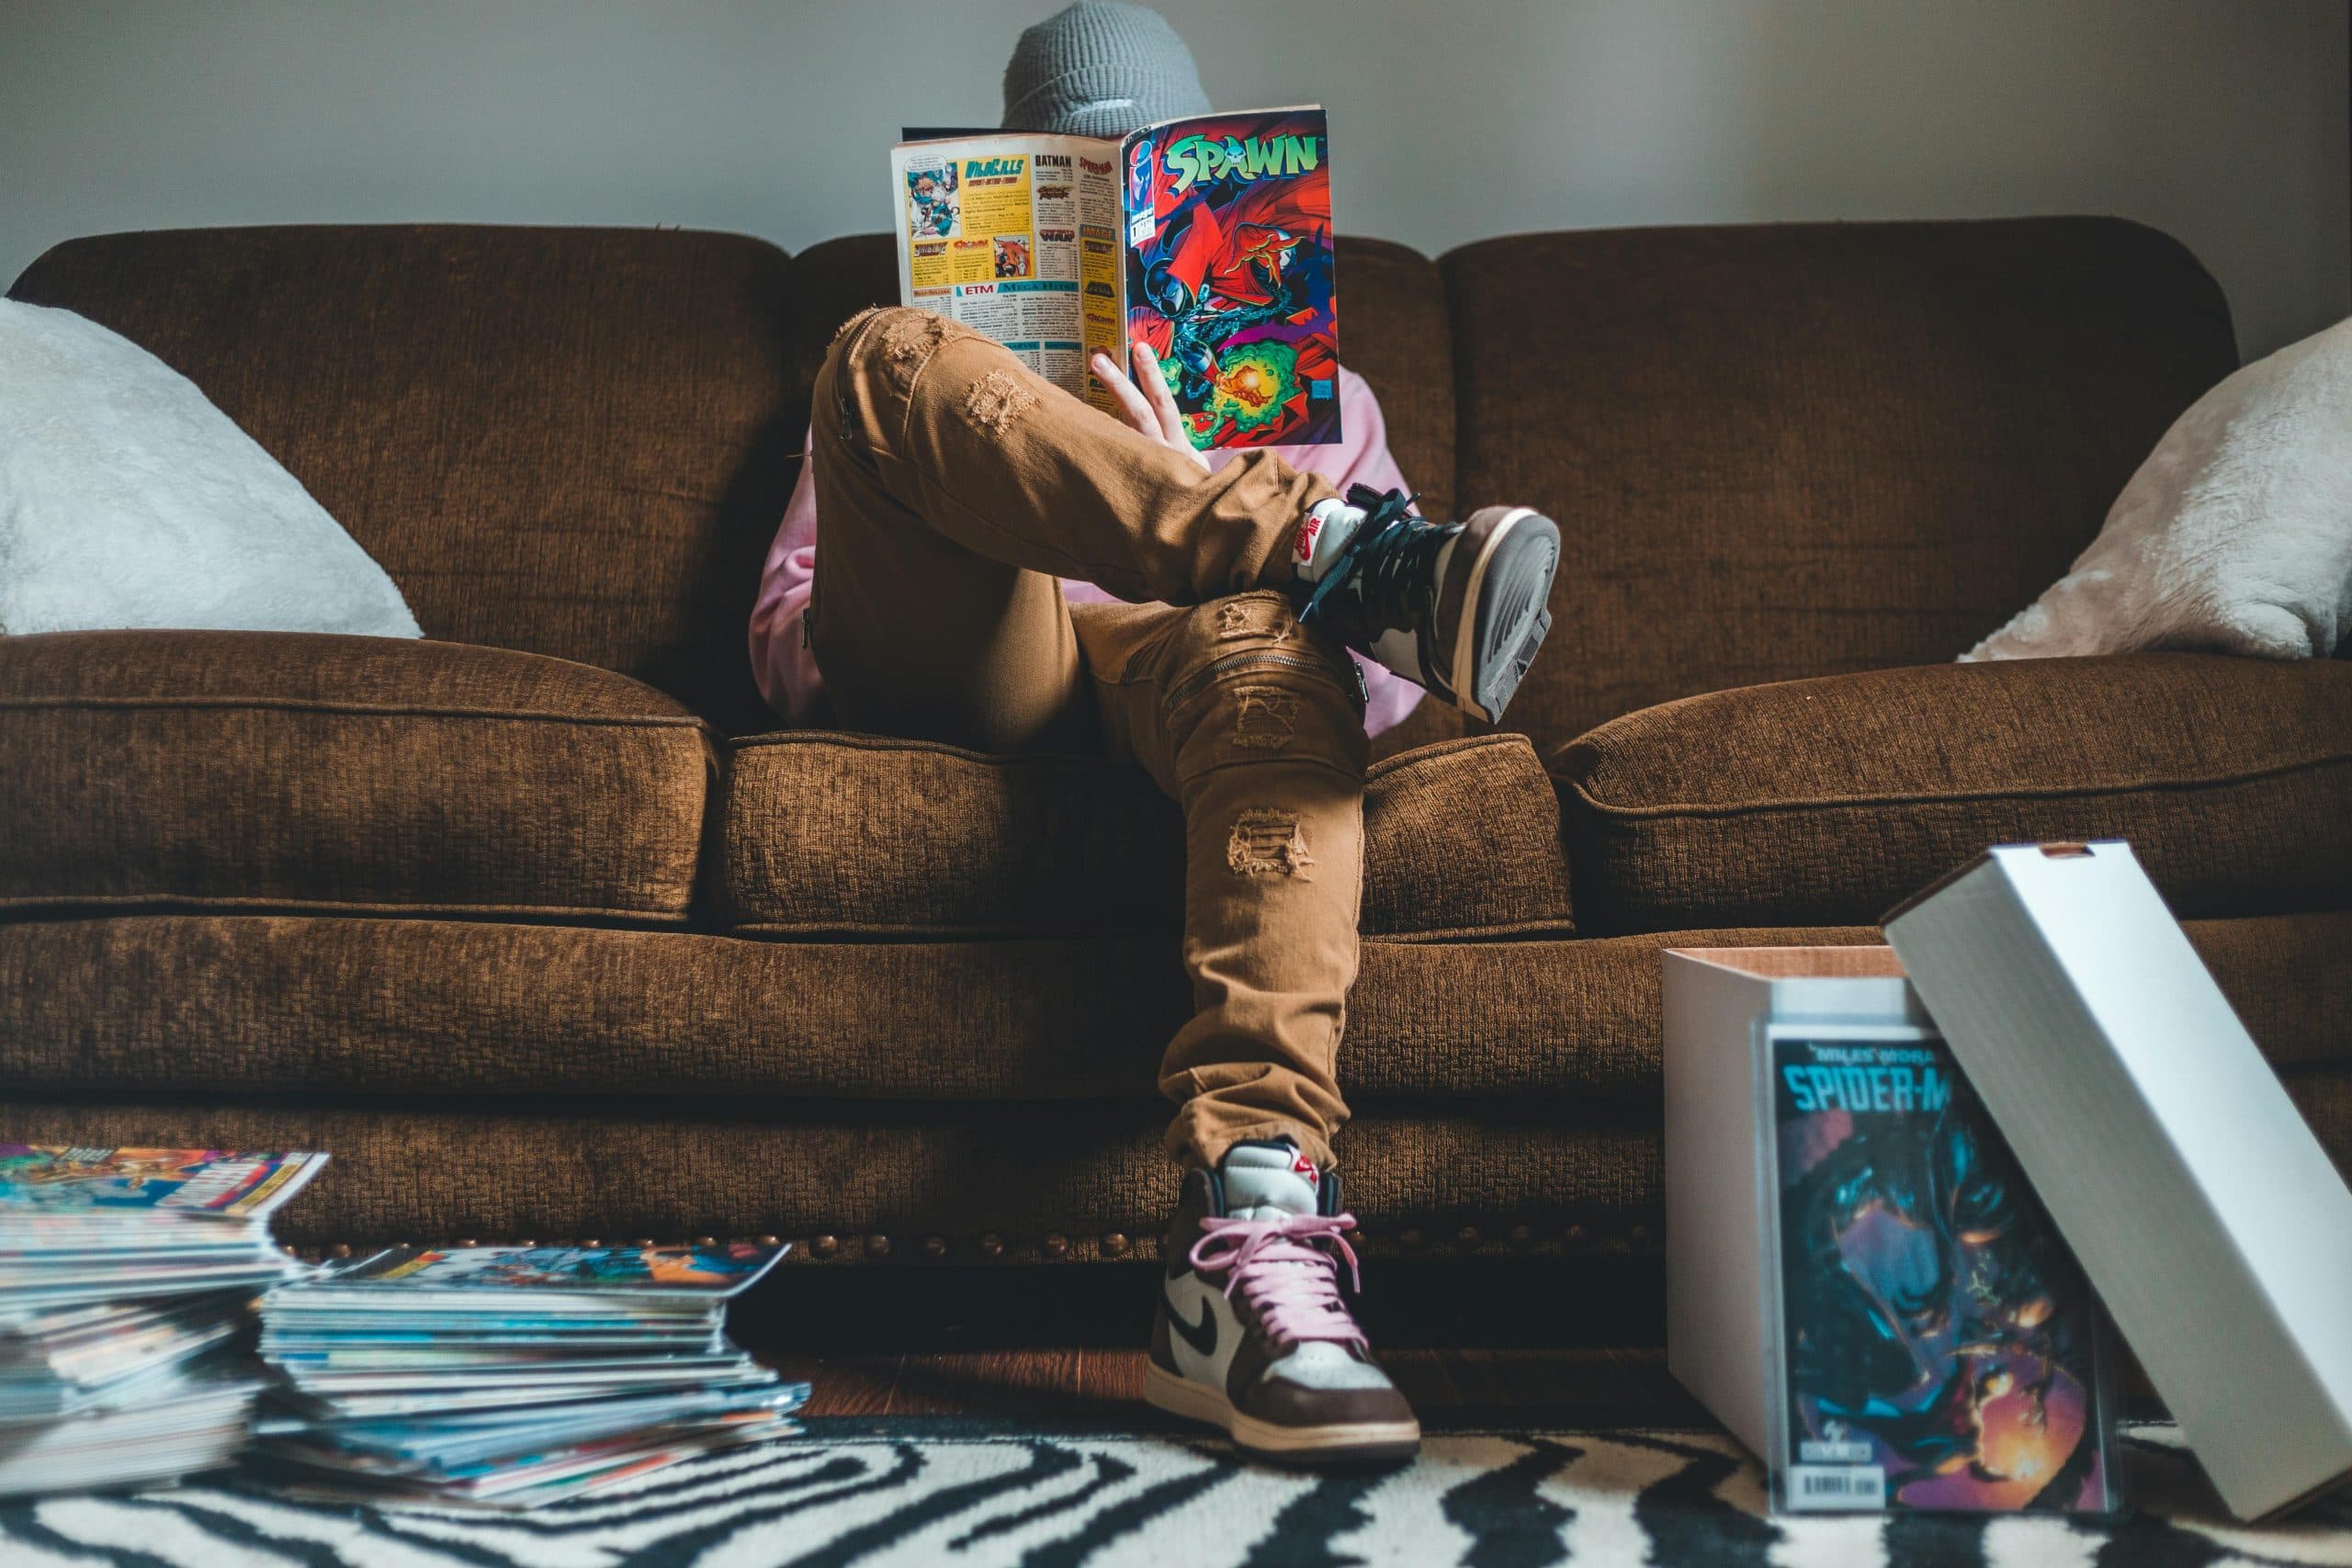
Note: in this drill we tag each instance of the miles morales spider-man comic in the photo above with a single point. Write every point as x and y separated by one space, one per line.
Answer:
1943 1350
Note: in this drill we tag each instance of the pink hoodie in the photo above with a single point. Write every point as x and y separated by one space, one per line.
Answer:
786 671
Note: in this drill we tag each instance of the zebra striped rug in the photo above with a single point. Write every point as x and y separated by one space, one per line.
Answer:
897 1494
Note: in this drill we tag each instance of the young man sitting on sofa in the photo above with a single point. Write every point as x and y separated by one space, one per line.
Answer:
1006 569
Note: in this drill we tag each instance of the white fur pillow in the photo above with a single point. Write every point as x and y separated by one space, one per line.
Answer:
2235 535
128 499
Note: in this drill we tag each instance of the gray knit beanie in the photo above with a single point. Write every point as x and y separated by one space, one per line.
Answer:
1100 69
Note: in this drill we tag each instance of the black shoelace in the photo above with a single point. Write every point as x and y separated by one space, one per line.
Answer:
1387 559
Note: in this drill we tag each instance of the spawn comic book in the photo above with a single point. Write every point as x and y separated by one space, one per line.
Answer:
1229 273
1208 238
1939 1347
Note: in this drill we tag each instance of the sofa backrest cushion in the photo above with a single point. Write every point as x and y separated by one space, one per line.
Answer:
1776 452
574 442
1803 449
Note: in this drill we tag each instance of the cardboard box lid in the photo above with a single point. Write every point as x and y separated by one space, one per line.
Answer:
2201 1206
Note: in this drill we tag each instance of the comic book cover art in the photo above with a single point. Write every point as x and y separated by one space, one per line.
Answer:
719 1271
1229 273
179 1182
1941 1347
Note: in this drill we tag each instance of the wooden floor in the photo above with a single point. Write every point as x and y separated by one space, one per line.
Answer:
1530 1344
1449 1388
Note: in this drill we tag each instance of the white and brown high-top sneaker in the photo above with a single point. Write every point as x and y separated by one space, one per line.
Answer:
1253 1334
1457 608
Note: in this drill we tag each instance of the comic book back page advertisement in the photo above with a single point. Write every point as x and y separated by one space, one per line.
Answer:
1939 1347
1014 235
1229 273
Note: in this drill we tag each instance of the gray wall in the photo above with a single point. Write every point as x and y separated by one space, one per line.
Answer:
2224 122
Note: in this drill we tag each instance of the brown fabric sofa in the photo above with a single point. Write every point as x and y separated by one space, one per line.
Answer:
546 928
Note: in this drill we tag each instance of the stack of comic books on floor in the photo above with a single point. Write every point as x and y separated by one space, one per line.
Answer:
513 1376
126 1277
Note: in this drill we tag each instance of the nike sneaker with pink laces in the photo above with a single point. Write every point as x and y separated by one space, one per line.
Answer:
1253 1333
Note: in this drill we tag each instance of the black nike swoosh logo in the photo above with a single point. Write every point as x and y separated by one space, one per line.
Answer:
1200 1336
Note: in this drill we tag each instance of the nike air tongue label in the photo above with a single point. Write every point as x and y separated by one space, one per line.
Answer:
1302 545
1264 1181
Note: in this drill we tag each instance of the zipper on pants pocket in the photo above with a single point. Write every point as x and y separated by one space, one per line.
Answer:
1199 680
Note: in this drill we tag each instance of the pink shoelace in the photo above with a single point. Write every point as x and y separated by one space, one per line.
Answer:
1288 1271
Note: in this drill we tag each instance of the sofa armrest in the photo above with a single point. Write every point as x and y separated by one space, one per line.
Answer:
1827 801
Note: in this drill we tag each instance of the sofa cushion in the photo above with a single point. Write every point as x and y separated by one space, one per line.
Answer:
240 769
574 442
1786 450
821 833
1829 801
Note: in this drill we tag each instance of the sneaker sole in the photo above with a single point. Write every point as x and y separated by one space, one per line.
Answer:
1505 612
1358 1442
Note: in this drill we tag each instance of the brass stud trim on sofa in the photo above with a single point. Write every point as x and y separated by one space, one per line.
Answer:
934 1247
825 1245
992 1245
877 1247
1114 1245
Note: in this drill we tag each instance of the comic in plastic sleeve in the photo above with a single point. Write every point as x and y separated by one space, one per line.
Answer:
716 1270
1229 273
176 1181
1939 1347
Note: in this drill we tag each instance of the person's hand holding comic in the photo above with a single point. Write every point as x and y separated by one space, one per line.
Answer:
1151 408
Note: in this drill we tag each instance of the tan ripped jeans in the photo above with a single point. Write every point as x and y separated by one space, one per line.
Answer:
953 489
